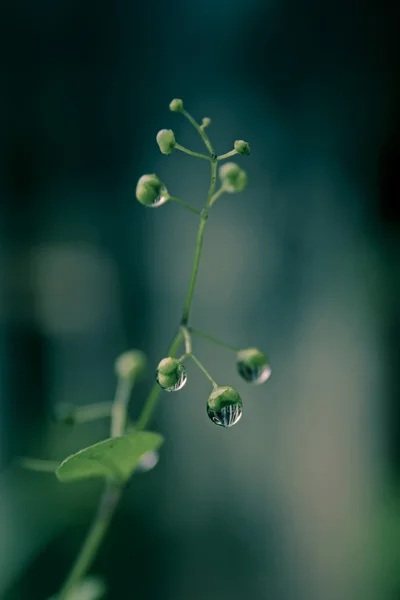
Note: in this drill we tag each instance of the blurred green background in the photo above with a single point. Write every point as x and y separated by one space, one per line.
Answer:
295 502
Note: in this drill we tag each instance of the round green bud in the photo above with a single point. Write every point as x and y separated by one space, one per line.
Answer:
150 191
224 406
171 374
176 105
166 140
253 365
206 122
232 177
242 147
131 364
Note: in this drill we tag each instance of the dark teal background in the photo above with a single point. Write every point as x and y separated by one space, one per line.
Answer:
303 264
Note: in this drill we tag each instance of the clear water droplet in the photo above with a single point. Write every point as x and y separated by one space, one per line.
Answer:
257 374
179 378
159 201
148 461
227 416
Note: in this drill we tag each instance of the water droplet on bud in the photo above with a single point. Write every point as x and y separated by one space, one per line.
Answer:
253 365
171 374
158 201
227 416
224 406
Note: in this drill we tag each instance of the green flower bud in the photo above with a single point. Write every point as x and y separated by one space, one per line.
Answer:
253 365
176 105
166 140
171 374
206 122
131 364
233 178
150 191
224 406
242 147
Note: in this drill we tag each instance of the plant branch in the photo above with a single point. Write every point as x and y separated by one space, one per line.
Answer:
182 203
217 194
95 536
192 153
109 499
201 131
37 464
152 398
187 339
199 245
92 412
204 370
212 339
227 154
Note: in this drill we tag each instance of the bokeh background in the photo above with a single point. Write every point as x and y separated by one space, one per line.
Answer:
299 500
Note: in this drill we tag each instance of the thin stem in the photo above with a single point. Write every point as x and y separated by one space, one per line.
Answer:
92 412
182 203
227 155
199 245
187 339
201 131
217 194
206 373
120 406
152 398
212 339
213 181
192 153
37 464
95 536
109 499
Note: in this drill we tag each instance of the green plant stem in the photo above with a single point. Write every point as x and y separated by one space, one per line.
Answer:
227 154
37 464
192 153
95 536
109 499
152 398
92 412
199 245
201 131
182 203
217 194
204 370
120 406
212 339
187 339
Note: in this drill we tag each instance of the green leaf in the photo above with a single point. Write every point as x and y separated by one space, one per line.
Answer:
90 588
114 457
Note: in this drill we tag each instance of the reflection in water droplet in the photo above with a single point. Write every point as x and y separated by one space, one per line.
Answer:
257 374
227 416
178 377
158 201
148 462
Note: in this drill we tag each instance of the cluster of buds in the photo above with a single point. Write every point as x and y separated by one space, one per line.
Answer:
224 405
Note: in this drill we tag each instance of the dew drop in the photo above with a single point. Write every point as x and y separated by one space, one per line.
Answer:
162 199
253 365
174 380
255 375
148 461
227 416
